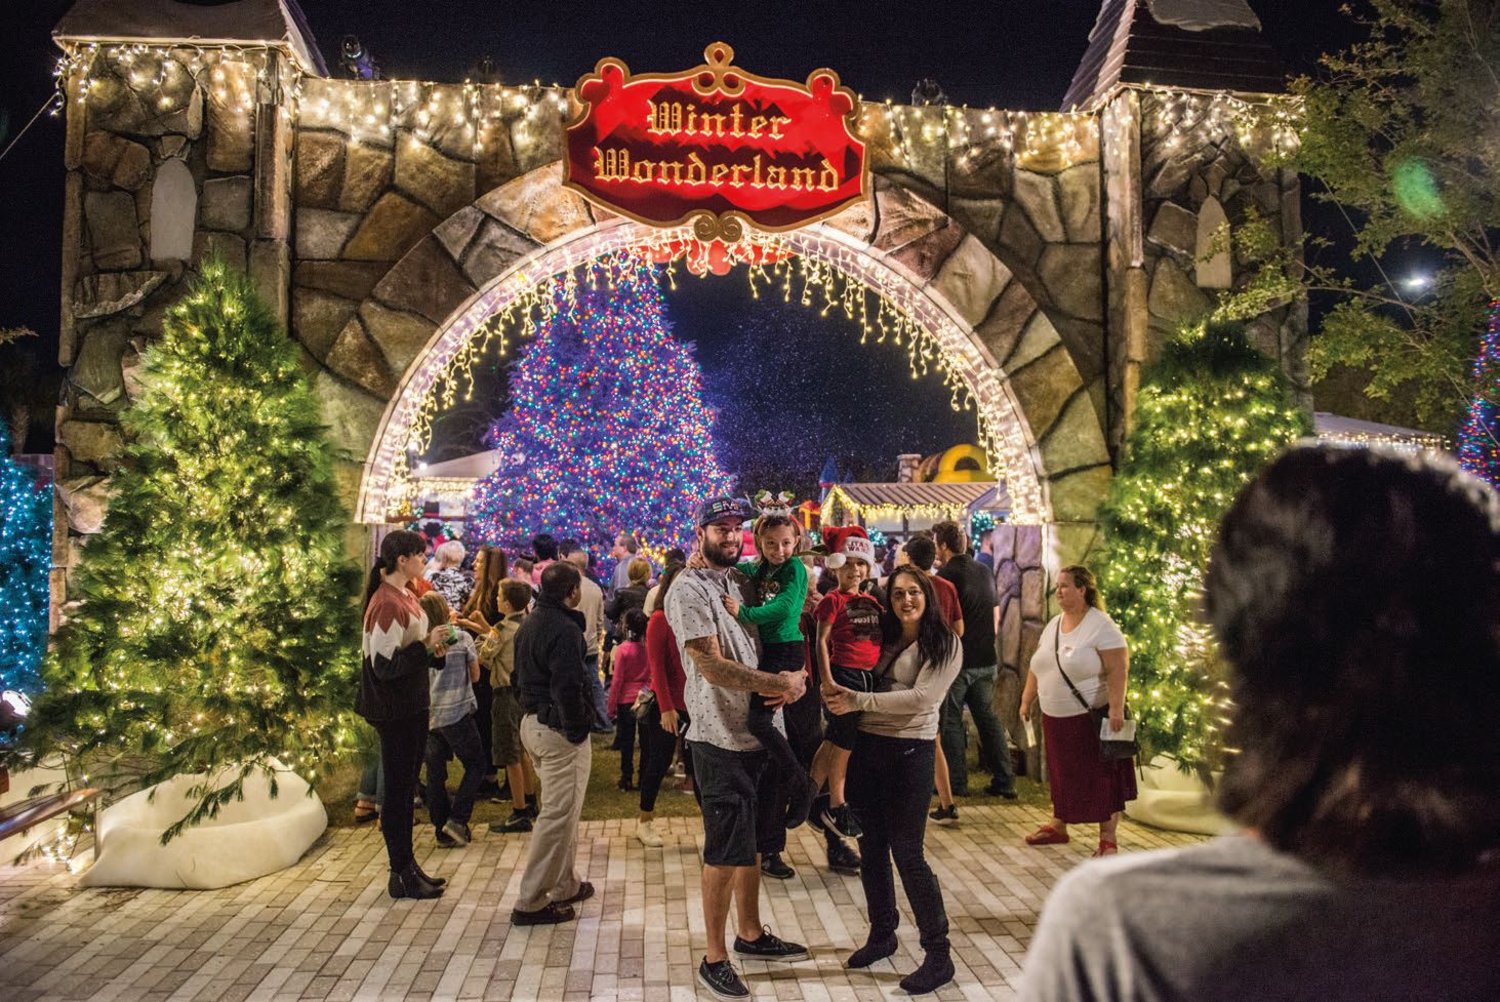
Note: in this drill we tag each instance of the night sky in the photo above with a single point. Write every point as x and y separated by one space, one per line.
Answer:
832 397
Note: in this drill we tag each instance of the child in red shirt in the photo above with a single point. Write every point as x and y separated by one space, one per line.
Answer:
632 673
848 648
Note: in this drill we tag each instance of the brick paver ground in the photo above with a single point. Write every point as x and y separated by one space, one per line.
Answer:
325 928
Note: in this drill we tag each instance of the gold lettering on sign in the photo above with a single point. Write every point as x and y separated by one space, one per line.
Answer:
682 118
617 165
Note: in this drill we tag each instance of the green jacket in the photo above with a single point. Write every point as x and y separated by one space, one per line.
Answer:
781 590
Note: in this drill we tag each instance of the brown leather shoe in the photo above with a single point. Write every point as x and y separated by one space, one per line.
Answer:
549 914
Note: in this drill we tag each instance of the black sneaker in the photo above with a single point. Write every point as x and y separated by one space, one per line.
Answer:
815 816
1003 792
769 947
516 823
799 805
722 980
772 865
945 815
841 820
447 841
842 859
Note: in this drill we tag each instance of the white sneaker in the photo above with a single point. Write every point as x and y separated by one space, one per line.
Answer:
647 835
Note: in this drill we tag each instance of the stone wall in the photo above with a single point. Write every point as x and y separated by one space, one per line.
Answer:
1068 254
171 157
1182 175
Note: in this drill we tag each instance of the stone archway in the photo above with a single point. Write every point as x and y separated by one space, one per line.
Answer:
1004 345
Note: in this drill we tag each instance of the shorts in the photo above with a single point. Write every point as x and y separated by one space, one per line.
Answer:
842 728
725 784
505 728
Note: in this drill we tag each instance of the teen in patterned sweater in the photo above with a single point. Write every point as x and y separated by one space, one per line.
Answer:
398 650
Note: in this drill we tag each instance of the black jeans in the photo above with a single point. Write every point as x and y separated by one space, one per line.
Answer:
460 740
401 743
889 784
656 756
804 732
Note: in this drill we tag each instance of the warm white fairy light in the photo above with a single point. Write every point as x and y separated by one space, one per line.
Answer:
818 266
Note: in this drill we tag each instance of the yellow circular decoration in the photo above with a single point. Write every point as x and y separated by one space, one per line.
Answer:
949 473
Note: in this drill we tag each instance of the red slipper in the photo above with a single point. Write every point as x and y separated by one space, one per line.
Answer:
1106 848
1047 835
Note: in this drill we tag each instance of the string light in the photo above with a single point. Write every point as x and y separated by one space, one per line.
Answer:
214 629
1479 438
607 429
1211 412
818 267
25 562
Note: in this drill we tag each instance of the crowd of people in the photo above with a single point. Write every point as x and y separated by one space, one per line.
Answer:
804 686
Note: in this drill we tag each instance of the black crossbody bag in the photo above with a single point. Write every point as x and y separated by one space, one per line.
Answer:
1110 750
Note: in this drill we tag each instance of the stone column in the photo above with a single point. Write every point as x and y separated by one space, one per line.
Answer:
1120 162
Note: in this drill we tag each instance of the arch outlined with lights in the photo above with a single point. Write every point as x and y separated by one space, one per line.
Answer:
954 349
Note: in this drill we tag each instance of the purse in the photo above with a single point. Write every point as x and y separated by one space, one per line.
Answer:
1110 749
644 701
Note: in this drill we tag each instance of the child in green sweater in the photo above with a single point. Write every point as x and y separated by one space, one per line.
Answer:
778 583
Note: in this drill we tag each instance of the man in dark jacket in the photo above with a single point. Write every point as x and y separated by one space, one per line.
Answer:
975 685
557 713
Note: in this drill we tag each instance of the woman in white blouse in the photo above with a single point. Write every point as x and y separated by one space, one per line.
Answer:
1081 663
890 773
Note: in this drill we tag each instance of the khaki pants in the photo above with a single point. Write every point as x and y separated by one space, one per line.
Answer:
563 770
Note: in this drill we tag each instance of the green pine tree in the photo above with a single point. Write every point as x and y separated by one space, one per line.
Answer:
1212 411
217 626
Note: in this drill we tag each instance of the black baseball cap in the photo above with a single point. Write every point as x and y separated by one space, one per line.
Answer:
715 509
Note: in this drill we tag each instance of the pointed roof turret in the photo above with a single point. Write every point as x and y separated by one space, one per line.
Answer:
1196 44
164 22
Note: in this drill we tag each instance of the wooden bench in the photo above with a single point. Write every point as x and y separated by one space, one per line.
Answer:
23 814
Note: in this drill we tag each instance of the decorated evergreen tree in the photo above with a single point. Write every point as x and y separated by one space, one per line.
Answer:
217 627
25 560
607 430
1479 438
1211 412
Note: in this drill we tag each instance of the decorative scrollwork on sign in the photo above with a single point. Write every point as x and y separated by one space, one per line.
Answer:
715 146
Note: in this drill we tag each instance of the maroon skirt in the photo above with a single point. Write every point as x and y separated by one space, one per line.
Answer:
1085 788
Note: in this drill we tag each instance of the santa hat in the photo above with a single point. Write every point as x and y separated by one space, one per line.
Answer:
848 542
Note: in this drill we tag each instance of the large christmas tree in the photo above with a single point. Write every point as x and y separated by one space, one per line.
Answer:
217 626
25 560
1479 438
1211 412
607 430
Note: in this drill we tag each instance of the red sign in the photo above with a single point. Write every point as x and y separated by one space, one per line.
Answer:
715 145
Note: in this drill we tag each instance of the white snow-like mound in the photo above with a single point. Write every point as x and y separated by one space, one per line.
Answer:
250 838
1169 798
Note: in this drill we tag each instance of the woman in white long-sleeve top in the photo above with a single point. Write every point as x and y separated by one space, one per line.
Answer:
890 773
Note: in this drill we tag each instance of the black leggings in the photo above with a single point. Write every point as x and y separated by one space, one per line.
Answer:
889 784
656 757
775 658
401 746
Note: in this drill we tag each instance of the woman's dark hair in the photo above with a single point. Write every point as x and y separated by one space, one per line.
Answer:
935 638
1356 595
397 543
559 580
544 546
1082 577
667 577
635 624
485 598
